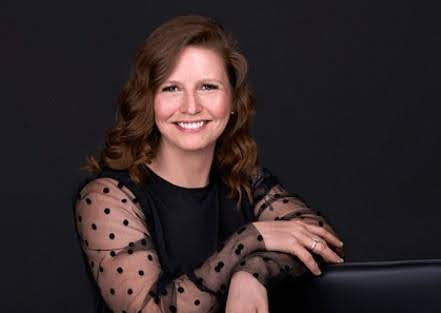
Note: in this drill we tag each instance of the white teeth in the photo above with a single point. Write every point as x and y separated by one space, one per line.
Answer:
191 125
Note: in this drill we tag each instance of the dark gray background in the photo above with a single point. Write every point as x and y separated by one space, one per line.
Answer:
348 116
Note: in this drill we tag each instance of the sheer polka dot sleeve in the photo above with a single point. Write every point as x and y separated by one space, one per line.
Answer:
274 202
123 260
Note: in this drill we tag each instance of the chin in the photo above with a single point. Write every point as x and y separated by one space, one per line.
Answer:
194 147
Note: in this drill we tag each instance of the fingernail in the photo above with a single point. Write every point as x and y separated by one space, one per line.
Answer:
340 260
319 273
341 243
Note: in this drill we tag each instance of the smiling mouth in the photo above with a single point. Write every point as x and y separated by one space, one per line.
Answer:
192 125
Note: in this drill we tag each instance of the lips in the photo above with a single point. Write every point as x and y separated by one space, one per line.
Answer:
192 130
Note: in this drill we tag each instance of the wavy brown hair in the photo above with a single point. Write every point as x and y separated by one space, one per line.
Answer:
134 138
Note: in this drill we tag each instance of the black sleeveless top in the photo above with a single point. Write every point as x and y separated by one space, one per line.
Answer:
193 220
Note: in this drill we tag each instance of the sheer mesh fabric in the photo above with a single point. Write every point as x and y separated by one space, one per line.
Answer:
123 260
272 203
124 263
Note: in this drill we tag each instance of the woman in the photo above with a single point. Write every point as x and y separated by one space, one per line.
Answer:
179 214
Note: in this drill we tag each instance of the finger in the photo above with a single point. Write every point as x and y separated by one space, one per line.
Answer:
306 257
321 248
329 237
312 219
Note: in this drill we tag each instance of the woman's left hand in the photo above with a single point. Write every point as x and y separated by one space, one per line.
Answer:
246 295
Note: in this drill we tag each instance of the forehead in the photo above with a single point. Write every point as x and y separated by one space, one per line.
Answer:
200 63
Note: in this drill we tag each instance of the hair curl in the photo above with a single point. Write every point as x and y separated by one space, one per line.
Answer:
134 138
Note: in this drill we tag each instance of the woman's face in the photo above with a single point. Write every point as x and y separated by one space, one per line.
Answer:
197 90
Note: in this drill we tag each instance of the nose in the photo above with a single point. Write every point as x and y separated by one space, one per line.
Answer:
191 105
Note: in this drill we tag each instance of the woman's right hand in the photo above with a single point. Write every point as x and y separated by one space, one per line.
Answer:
296 237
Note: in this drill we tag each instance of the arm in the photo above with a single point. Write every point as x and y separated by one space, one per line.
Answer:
274 202
124 263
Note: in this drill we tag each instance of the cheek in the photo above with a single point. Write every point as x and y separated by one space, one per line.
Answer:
164 109
221 107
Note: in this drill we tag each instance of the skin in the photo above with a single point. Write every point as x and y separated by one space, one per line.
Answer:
246 295
197 89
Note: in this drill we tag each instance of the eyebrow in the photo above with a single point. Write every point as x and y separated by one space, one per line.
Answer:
201 80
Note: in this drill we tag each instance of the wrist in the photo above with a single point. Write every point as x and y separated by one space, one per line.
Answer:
244 276
246 280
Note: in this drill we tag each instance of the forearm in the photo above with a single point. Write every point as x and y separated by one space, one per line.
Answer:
264 265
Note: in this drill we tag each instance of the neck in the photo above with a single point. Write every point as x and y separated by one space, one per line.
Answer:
190 169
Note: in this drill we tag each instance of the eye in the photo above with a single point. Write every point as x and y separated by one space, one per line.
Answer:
210 86
168 88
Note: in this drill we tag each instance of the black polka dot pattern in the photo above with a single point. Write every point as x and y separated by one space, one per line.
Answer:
120 248
239 249
219 266
274 203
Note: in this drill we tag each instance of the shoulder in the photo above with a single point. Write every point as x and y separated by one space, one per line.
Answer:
106 194
103 187
262 174
111 182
